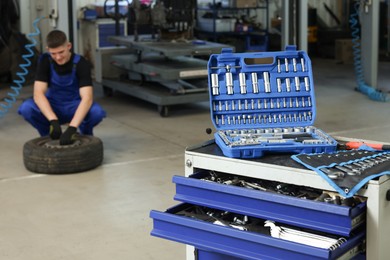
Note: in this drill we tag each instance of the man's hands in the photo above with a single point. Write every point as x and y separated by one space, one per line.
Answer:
68 136
55 129
56 133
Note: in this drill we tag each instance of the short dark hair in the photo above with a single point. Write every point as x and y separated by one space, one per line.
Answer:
56 38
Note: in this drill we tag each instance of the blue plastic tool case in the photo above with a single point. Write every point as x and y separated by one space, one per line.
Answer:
264 102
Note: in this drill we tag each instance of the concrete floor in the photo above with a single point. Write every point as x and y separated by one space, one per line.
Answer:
104 213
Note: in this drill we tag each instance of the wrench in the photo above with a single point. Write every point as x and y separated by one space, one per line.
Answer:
346 170
303 237
332 173
353 168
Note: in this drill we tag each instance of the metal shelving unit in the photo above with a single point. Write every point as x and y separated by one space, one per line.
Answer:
255 39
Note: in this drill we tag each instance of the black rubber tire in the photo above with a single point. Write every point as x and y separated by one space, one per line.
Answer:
43 155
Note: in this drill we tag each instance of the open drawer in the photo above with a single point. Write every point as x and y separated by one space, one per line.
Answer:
211 230
294 210
210 255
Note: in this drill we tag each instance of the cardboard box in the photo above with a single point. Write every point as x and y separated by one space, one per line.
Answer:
276 23
245 3
344 51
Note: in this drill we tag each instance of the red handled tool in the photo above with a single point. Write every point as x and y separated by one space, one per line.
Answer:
356 145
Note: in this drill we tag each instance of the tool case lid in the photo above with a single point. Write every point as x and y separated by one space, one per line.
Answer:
261 89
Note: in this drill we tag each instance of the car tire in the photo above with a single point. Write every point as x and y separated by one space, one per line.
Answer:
44 155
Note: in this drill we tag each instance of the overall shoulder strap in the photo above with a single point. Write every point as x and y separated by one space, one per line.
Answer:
76 58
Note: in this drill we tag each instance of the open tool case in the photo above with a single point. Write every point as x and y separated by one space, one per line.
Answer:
264 102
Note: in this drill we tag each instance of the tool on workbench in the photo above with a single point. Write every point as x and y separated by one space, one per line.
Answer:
356 145
303 237
347 171
264 102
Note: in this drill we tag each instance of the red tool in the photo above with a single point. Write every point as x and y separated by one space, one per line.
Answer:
356 145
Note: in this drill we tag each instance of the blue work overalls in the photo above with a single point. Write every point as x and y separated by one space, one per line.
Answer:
64 98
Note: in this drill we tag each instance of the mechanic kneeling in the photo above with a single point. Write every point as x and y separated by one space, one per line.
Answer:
63 93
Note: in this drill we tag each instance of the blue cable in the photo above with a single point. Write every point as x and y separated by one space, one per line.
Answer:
371 92
11 99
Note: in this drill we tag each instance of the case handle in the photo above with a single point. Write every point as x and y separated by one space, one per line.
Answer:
291 47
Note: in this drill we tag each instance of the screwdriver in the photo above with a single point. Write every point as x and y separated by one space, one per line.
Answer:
356 145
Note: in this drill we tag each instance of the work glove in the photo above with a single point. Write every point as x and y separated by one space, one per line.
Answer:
55 129
69 136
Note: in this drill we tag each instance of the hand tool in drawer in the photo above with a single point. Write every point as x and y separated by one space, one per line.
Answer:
264 102
302 192
235 236
251 224
303 237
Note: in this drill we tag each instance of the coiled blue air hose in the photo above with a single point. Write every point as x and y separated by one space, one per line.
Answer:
8 101
371 92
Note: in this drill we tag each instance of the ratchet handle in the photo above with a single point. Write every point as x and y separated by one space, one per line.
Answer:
356 145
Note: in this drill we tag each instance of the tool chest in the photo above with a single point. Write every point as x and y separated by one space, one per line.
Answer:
225 215
244 196
291 204
247 191
264 102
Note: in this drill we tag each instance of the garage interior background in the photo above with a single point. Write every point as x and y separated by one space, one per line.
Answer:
103 214
328 25
35 8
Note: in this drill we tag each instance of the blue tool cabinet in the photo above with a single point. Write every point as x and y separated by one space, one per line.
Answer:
98 31
105 30
210 241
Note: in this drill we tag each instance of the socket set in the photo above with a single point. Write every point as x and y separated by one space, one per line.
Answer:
263 102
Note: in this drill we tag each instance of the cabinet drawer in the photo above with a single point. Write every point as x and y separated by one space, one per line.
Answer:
201 231
316 215
205 254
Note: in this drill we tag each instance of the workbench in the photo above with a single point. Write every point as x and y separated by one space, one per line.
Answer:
282 168
162 72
